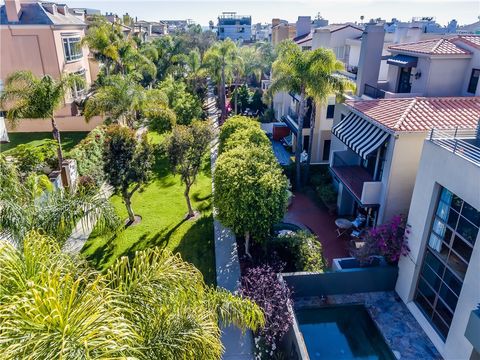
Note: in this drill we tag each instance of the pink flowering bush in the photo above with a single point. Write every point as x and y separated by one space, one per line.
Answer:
261 285
388 240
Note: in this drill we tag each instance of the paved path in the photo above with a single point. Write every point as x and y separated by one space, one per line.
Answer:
238 346
84 228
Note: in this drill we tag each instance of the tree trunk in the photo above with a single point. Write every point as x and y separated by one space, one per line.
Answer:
299 147
56 136
128 205
310 140
247 244
223 100
236 95
189 204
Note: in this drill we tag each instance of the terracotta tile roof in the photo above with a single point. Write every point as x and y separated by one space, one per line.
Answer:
472 40
421 114
431 47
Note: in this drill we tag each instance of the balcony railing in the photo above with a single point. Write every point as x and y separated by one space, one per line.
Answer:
357 179
374 92
462 142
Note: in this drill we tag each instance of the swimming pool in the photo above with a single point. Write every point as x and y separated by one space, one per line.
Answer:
341 332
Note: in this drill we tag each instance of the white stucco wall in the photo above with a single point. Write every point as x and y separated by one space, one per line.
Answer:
439 167
446 77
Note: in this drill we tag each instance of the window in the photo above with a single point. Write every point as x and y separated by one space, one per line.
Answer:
326 150
72 48
339 52
78 89
306 48
472 85
330 111
450 244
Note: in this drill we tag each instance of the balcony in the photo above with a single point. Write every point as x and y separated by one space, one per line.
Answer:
356 179
378 93
462 142
473 329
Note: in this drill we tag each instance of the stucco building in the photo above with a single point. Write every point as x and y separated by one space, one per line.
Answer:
438 280
45 38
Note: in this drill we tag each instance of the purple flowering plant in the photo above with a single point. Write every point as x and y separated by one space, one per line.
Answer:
262 285
388 240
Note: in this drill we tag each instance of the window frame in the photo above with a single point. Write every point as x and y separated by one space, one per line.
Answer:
66 42
75 92
330 106
472 89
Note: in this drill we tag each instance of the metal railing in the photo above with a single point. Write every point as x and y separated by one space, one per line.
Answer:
374 92
462 142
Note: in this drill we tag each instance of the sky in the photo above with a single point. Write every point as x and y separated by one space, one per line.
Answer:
465 12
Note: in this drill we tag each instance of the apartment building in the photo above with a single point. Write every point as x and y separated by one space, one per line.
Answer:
376 148
286 105
233 26
282 30
438 280
45 38
445 66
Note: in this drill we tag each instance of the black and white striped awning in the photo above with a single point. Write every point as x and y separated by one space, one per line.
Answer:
359 134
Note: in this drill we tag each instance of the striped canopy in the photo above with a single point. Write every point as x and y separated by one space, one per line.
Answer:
359 134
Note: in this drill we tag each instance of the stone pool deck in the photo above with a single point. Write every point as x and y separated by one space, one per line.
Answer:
398 326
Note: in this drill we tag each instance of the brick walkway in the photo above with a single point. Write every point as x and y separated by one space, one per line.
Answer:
304 211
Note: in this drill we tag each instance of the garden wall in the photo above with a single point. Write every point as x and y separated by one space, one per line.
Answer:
348 281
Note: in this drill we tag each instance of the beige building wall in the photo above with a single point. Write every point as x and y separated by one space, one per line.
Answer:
399 176
39 48
441 168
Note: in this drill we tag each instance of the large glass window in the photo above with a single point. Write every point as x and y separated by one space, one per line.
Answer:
472 84
450 244
72 48
78 87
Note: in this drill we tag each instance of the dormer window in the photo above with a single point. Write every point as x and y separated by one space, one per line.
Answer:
72 48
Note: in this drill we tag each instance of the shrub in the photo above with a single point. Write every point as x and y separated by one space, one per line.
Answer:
303 248
232 125
30 158
253 136
89 154
388 240
160 120
327 193
261 285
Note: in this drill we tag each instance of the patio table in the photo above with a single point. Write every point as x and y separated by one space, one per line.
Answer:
343 226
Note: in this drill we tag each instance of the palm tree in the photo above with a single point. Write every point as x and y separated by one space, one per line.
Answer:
122 99
154 306
26 96
311 74
31 204
218 60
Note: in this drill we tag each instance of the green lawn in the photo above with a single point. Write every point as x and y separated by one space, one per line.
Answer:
162 207
69 139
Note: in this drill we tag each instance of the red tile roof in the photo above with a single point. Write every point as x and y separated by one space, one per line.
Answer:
472 40
421 114
431 47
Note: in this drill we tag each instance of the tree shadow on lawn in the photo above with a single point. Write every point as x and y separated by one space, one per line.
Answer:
197 247
204 202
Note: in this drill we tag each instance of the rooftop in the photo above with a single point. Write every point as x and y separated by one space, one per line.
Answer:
431 47
472 40
331 28
420 114
36 13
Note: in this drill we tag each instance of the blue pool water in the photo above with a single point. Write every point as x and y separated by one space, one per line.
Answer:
342 332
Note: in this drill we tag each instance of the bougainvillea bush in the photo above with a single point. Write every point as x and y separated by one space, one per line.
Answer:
388 240
262 285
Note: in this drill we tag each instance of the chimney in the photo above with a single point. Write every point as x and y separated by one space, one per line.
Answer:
13 10
401 33
304 24
370 57
275 22
414 34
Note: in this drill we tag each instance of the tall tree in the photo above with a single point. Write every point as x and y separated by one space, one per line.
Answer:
250 191
219 60
31 204
28 96
127 163
185 148
309 74
154 306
